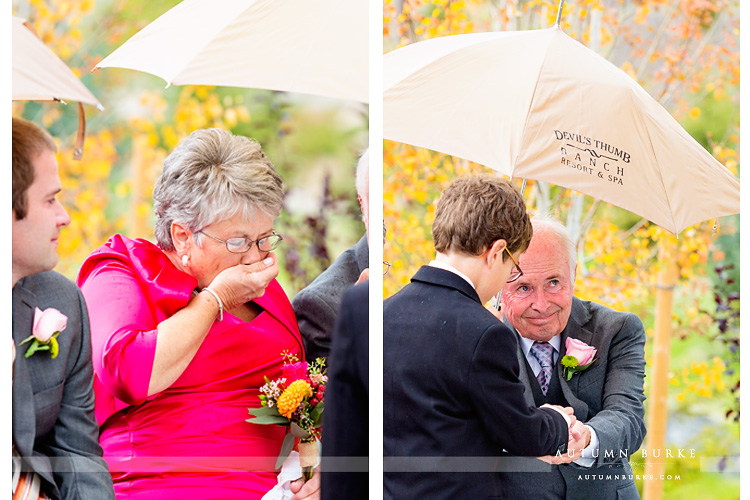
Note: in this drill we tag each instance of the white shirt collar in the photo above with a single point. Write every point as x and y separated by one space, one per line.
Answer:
448 267
527 343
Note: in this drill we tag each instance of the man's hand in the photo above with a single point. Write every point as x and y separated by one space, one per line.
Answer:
309 490
579 437
498 313
567 410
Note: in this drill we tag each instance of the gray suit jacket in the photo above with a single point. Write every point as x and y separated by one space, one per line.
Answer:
608 396
54 428
317 305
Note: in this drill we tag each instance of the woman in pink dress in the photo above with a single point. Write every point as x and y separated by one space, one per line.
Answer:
184 333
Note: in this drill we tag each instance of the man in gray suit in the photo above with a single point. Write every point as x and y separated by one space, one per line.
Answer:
317 305
56 452
607 396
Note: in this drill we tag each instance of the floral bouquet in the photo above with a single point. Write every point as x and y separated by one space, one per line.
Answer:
296 401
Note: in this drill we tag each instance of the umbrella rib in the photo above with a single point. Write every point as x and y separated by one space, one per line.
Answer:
531 102
458 108
200 50
658 171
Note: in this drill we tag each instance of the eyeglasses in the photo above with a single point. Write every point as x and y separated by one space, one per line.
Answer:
386 267
516 273
242 245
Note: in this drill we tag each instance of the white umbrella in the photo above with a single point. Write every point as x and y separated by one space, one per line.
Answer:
39 75
540 105
315 47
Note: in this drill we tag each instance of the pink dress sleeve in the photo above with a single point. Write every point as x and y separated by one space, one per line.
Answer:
123 331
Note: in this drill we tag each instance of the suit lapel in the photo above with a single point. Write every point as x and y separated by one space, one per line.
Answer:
24 422
528 395
362 253
574 329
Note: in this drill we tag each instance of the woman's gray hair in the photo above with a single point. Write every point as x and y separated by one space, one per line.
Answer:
548 222
211 176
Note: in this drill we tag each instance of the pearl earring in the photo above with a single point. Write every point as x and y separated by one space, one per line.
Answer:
185 260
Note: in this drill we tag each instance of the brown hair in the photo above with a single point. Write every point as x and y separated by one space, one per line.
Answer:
29 141
475 211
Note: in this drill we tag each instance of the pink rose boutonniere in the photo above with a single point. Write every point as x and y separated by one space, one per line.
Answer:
578 356
47 326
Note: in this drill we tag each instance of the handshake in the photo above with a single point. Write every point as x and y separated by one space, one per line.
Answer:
579 437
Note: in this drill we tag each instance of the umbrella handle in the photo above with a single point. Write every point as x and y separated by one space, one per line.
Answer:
81 135
496 305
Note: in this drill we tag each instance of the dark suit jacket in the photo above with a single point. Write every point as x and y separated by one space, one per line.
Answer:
608 396
451 389
54 429
317 305
345 424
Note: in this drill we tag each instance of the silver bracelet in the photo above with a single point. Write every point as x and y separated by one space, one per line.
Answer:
221 306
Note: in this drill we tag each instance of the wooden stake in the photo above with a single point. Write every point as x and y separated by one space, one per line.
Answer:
656 423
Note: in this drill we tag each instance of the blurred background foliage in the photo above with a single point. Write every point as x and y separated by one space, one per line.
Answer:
314 142
685 53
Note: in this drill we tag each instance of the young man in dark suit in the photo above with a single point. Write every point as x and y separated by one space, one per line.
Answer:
452 396
56 452
346 420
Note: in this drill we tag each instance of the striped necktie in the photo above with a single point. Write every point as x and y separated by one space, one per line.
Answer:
542 351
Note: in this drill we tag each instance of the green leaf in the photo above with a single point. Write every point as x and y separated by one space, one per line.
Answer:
37 346
34 347
286 449
264 411
27 339
298 431
583 367
268 420
316 413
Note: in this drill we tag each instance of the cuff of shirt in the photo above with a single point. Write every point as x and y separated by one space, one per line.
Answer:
565 415
588 457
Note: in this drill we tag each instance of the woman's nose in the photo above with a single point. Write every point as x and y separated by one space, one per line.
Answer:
252 256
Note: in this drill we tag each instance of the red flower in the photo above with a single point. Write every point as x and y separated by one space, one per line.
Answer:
294 371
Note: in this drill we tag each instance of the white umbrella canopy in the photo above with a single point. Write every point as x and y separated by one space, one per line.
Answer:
39 75
540 105
317 47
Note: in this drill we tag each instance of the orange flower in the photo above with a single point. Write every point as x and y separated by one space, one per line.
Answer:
293 396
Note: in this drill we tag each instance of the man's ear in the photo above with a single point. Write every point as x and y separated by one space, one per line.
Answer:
496 252
364 208
180 237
